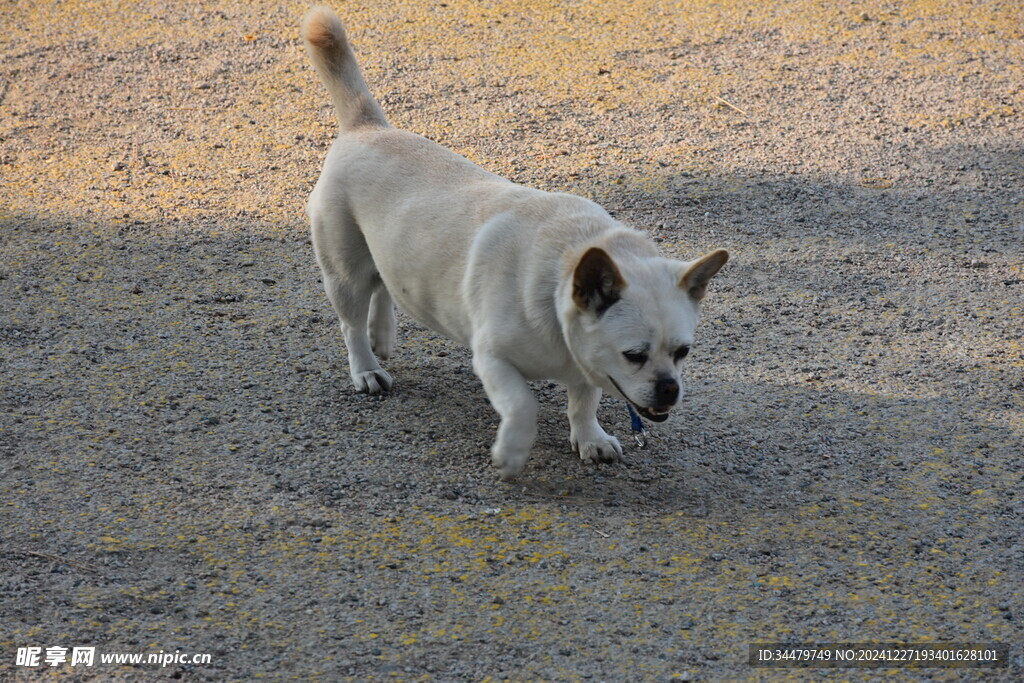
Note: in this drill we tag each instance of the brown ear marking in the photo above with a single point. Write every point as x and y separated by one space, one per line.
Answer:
596 283
695 280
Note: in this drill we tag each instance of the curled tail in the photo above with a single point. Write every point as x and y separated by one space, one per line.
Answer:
334 61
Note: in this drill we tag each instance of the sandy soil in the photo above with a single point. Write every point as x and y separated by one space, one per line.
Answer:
183 465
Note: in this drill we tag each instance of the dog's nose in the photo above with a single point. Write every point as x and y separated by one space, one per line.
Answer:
666 391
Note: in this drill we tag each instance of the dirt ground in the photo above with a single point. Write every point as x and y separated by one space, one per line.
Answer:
185 468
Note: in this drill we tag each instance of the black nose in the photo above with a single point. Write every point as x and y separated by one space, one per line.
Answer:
666 391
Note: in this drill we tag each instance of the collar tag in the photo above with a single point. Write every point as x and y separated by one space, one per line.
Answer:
640 432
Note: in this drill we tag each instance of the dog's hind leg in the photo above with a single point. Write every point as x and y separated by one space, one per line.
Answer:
382 323
352 303
350 280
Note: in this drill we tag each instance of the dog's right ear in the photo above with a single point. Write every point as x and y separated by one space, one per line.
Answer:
596 283
695 280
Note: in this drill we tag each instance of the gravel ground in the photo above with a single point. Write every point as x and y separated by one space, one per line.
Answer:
184 466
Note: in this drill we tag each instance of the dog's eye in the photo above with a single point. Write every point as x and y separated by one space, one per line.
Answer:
681 353
638 357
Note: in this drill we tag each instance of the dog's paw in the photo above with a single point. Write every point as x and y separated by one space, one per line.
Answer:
383 345
509 463
382 336
372 381
604 448
382 326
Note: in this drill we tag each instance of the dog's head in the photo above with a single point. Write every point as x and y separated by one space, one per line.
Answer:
633 323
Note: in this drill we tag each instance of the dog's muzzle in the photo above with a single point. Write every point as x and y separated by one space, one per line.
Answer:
666 391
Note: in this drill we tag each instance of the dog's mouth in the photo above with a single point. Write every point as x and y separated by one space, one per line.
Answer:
652 413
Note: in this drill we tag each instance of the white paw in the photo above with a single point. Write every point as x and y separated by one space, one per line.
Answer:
382 348
602 448
372 381
510 462
382 338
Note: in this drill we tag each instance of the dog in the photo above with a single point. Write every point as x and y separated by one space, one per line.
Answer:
538 285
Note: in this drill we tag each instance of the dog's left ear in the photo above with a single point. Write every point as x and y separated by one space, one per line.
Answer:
695 280
596 282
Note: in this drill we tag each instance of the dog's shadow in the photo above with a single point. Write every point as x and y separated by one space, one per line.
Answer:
730 445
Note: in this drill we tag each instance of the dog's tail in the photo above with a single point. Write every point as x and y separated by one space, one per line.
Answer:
333 59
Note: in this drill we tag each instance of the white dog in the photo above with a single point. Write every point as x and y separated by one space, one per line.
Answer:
539 285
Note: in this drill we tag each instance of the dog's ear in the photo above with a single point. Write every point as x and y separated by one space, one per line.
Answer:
695 280
597 282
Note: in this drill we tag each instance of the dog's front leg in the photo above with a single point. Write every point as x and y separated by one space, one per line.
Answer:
511 397
585 434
